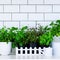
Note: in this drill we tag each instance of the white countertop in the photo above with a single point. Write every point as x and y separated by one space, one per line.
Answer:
37 57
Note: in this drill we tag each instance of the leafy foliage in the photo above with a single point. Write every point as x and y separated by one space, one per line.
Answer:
12 34
23 36
50 32
55 28
20 37
4 35
31 35
46 39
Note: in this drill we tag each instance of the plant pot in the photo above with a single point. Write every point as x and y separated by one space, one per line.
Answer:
5 48
56 39
48 51
56 46
42 50
13 51
30 51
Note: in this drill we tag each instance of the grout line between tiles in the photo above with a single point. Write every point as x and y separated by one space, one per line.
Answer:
11 1
27 16
11 16
26 20
43 1
19 8
19 24
27 2
3 9
30 12
44 16
3 23
35 8
52 8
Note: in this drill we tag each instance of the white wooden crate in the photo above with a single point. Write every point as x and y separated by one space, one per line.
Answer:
29 51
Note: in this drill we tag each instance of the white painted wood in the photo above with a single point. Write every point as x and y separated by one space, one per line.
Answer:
48 51
56 46
5 48
30 51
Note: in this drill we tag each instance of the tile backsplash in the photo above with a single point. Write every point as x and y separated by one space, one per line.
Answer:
20 13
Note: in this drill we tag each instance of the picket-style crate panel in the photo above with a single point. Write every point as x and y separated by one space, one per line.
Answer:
29 51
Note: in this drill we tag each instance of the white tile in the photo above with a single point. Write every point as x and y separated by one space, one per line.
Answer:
1 25
40 23
19 16
44 8
27 8
5 1
29 24
52 1
52 16
11 24
47 23
35 1
19 1
11 8
5 16
1 8
56 8
44 23
36 16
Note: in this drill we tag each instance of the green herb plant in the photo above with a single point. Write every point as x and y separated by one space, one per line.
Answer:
31 35
46 39
20 37
5 35
12 34
55 28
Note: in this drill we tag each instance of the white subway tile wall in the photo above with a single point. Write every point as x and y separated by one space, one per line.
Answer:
52 1
56 8
28 12
52 16
5 1
19 16
1 8
27 8
5 16
11 8
28 23
44 8
1 24
19 1
11 24
35 1
36 16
